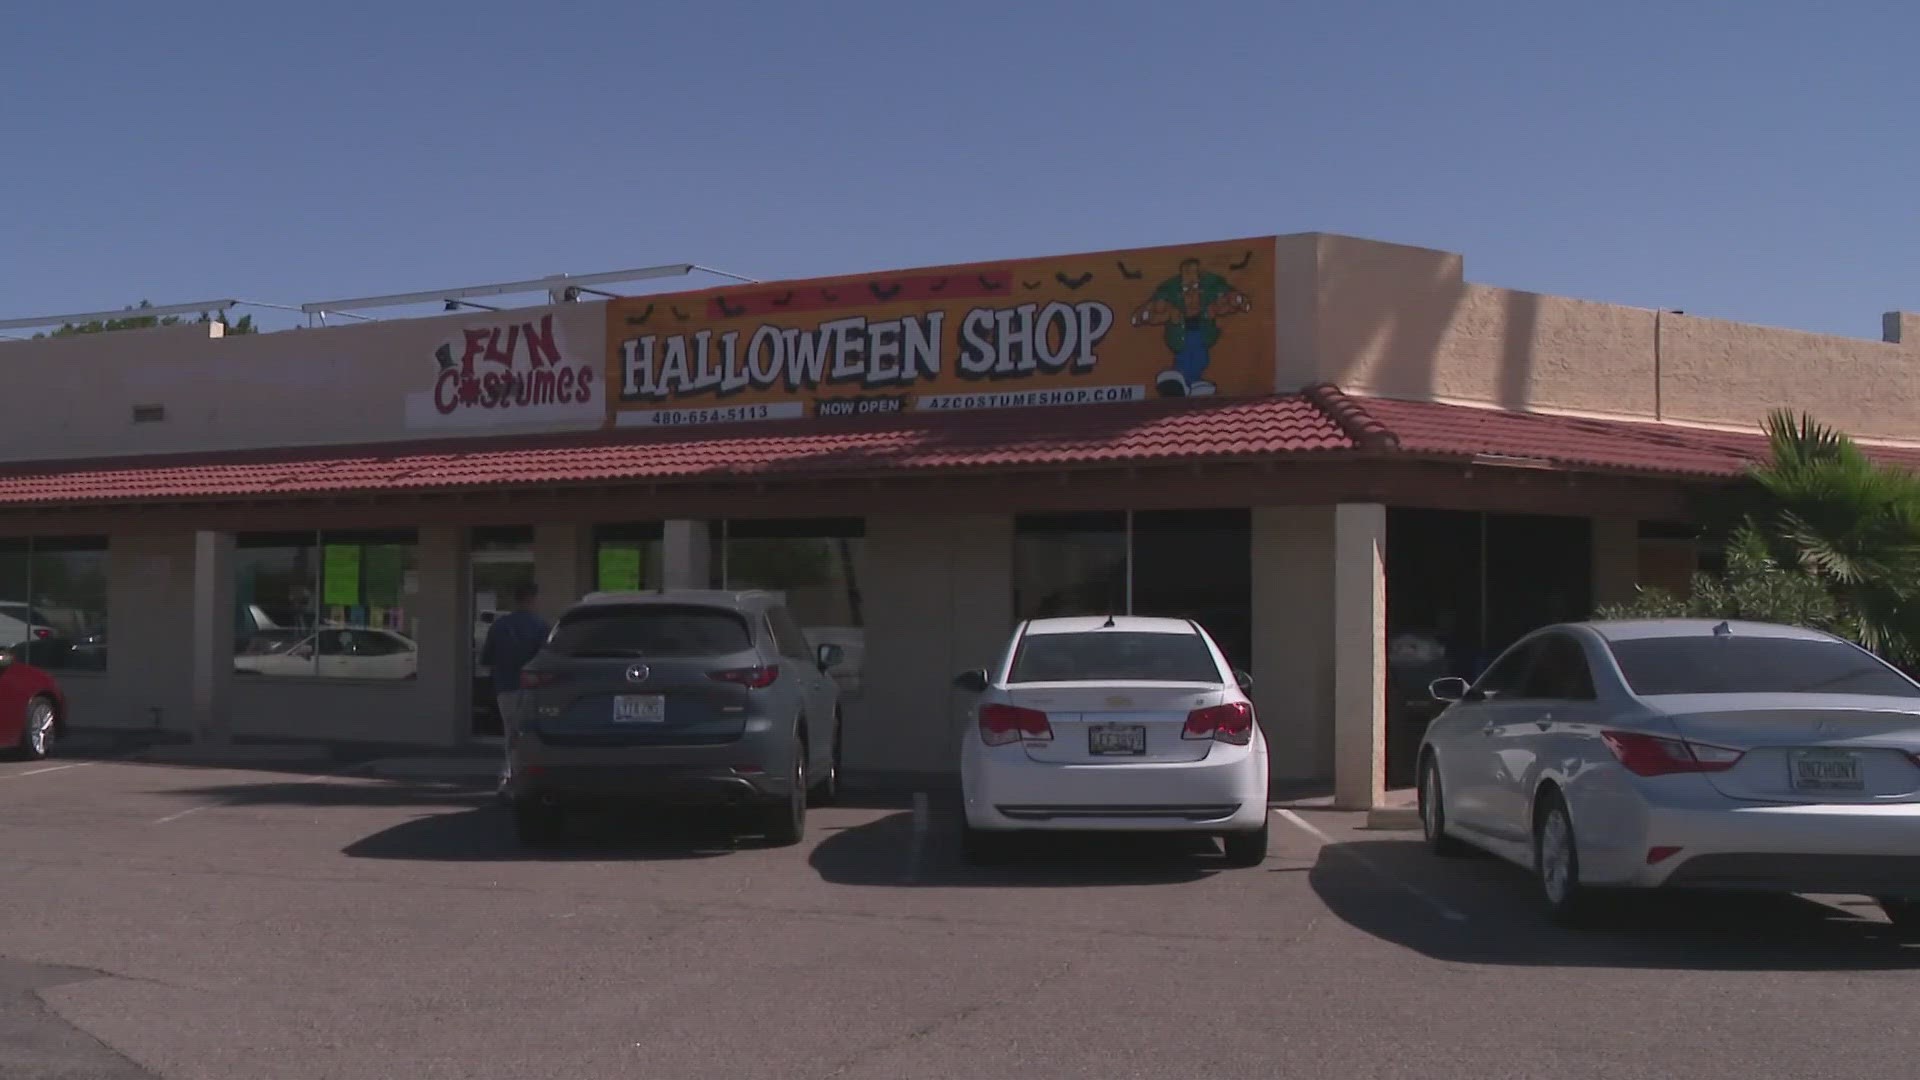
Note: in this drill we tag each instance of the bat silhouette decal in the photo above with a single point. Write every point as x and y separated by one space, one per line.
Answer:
883 292
785 299
829 295
938 286
989 284
1245 261
726 309
1130 275
683 316
1073 282
1031 285
641 319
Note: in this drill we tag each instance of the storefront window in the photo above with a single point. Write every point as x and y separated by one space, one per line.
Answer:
817 565
327 605
1070 564
627 557
53 602
1180 564
1198 564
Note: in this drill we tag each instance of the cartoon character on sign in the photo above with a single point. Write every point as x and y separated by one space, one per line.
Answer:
1190 307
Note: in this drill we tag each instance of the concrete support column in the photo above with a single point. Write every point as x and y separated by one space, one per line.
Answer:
1360 655
1292 662
562 565
443 606
687 555
212 637
1616 559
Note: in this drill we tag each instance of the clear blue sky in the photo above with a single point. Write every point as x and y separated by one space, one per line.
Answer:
1755 160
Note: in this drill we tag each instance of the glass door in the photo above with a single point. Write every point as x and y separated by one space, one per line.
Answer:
499 561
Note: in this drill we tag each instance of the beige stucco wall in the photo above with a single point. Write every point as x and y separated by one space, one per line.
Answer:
1293 663
1403 322
149 668
362 382
939 601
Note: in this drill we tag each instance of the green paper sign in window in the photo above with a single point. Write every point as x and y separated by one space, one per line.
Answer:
386 564
619 568
342 575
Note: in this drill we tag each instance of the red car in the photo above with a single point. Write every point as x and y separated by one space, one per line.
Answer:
32 709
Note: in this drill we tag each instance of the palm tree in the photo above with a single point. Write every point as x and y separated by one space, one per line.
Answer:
1823 506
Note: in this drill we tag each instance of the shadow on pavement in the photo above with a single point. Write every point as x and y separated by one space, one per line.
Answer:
883 853
487 835
330 791
1372 885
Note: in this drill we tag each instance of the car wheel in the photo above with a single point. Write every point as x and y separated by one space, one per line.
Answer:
827 791
36 737
1246 848
1433 812
1556 861
979 847
1903 913
538 822
785 821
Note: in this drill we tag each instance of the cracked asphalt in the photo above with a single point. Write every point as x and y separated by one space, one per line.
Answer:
295 926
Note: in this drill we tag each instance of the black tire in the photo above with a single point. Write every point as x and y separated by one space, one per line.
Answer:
1433 812
1246 848
538 823
1903 913
784 821
1556 863
979 847
38 729
827 791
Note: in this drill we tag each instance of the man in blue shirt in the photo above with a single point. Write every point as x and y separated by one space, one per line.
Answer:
512 641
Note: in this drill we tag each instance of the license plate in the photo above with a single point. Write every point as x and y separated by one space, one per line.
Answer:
1116 739
639 709
1827 770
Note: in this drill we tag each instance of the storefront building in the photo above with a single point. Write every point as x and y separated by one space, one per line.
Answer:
1356 468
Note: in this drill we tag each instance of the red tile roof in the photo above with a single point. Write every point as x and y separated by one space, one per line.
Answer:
1319 419
1157 432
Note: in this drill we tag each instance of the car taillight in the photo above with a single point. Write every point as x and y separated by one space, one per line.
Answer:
534 680
1002 724
1229 723
42 633
1651 755
753 678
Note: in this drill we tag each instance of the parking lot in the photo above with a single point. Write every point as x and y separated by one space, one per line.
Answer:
313 920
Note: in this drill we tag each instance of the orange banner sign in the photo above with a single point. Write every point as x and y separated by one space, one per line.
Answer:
1174 322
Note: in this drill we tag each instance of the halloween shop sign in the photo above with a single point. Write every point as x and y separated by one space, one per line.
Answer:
857 354
1122 326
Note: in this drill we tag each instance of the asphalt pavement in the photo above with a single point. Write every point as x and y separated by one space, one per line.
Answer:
281 921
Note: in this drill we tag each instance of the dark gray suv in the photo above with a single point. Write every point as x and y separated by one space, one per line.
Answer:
712 699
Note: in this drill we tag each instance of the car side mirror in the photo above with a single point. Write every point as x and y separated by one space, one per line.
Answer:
1450 689
973 682
830 656
1243 680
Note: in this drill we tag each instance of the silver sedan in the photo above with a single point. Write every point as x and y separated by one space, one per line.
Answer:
1683 754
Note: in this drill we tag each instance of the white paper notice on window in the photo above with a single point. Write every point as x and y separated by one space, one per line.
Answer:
410 582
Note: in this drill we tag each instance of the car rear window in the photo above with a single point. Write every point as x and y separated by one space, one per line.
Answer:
1734 665
1113 656
651 630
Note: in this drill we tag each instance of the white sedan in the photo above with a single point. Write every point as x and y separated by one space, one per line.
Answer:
1113 724
344 652
1683 754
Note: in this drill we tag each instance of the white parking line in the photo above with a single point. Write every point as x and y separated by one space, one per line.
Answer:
1442 909
322 778
48 769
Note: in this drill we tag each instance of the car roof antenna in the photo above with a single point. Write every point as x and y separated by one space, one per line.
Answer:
1725 629
1108 625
